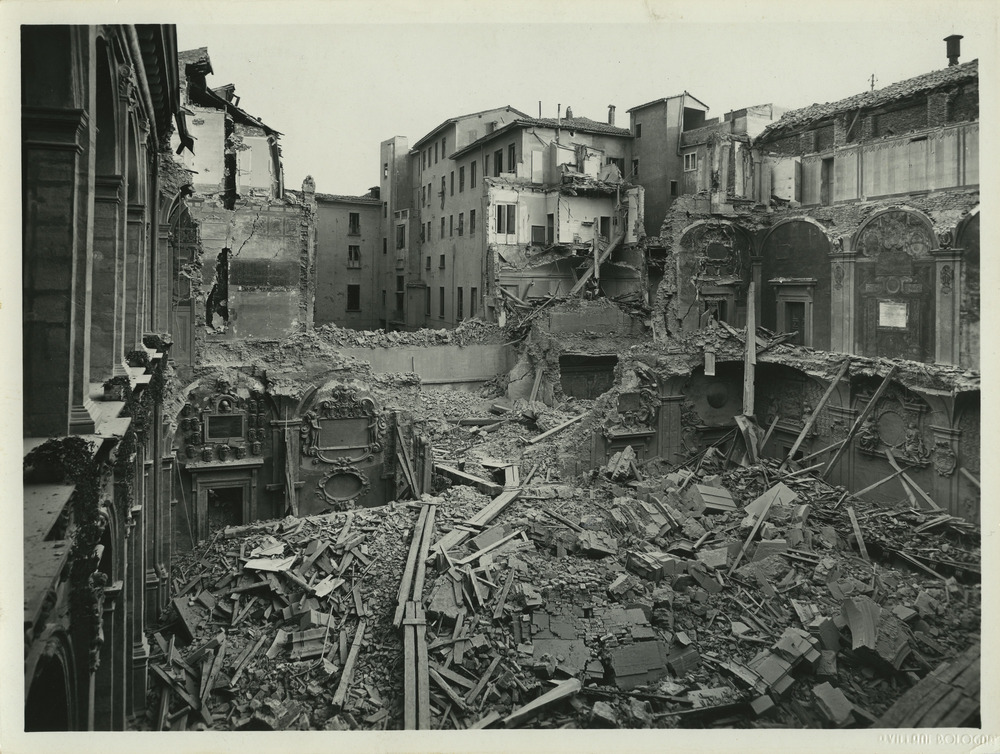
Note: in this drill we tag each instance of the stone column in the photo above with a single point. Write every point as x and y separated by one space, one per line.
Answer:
842 301
134 291
152 596
947 302
135 578
163 530
107 687
106 348
56 272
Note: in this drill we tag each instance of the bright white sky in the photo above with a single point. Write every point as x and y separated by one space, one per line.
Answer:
336 89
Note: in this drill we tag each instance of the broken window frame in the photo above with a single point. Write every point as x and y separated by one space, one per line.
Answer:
354 256
472 221
401 236
354 223
461 223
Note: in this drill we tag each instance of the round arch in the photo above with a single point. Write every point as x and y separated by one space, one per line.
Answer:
50 702
894 229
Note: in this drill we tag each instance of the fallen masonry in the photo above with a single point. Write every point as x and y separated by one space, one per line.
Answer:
711 594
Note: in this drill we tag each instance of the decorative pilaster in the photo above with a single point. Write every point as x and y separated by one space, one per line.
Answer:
842 301
944 460
756 264
947 302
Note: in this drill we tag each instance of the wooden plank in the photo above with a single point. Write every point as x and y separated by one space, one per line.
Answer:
815 414
857 533
409 672
821 451
968 475
214 673
489 548
877 484
552 431
913 485
562 519
750 354
486 721
423 679
452 676
770 430
411 560
483 485
456 536
455 698
348 671
750 536
477 689
407 465
861 419
425 542
178 688
247 657
564 690
498 610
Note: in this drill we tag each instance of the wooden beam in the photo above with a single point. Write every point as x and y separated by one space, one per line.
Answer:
968 475
821 451
409 671
589 273
425 543
908 480
864 415
857 533
877 484
352 658
770 430
815 413
552 431
564 690
534 387
753 532
750 354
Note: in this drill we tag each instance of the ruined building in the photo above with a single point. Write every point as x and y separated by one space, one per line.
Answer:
550 377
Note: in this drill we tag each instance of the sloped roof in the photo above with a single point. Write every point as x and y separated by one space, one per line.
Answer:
664 99
568 124
945 77
366 199
429 134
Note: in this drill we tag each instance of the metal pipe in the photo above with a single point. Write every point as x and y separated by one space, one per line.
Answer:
140 75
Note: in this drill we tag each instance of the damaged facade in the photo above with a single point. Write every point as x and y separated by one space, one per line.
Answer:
561 425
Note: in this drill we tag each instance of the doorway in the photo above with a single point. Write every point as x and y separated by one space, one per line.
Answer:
225 507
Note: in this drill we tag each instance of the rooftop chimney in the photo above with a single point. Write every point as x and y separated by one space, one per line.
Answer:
954 48
611 115
569 111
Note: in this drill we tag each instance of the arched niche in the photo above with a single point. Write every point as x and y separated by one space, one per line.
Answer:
50 698
790 396
108 155
715 259
795 281
894 281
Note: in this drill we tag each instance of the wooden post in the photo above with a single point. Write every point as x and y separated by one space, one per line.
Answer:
597 248
815 414
750 359
857 424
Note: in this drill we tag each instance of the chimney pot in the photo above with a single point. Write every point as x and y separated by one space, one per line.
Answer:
954 48
569 111
611 115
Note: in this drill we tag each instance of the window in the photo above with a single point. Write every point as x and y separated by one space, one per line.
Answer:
635 168
673 188
385 169
441 302
353 298
430 193
441 262
423 156
427 299
435 152
423 196
383 301
511 158
428 231
472 174
826 181
497 163
461 179
428 265
506 218
400 293
442 227
461 223
354 224
401 236
472 221
451 225
444 149
538 235
638 130
458 304
354 256
442 191
550 229
486 165
385 209
473 301
385 245
452 184
690 161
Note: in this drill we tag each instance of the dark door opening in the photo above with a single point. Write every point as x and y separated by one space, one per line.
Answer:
587 376
47 707
225 507
795 321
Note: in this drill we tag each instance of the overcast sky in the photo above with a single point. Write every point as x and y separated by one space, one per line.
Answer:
335 90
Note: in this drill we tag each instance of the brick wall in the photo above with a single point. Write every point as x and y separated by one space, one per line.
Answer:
901 121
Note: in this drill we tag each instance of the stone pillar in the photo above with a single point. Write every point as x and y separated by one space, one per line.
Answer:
756 263
56 272
947 303
842 301
135 578
107 685
106 351
134 291
149 523
944 461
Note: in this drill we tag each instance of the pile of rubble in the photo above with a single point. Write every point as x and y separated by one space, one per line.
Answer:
719 594
469 332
